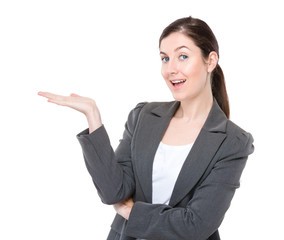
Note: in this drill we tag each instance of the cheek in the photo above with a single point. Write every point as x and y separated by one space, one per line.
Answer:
163 72
195 72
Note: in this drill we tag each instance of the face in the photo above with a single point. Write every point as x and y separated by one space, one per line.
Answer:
185 71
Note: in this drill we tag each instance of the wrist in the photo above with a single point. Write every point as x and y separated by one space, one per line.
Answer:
128 212
94 120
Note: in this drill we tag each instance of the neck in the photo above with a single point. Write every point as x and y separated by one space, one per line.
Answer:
196 109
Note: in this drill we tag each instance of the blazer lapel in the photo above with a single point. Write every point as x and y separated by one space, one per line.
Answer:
203 150
151 131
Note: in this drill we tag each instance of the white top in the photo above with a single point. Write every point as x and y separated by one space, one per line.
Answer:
167 164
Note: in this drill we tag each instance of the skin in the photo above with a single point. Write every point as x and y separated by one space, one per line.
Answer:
85 105
181 60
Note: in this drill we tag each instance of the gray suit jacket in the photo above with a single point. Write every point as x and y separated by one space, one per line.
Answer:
203 190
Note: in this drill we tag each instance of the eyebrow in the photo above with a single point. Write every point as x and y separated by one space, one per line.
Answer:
178 48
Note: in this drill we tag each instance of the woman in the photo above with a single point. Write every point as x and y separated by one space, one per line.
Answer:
179 163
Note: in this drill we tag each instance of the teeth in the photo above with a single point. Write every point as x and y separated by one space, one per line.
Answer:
177 81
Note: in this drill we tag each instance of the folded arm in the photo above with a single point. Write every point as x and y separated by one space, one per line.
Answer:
204 212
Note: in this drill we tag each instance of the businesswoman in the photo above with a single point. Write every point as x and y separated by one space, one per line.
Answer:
176 169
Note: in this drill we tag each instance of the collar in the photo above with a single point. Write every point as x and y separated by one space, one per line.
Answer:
215 122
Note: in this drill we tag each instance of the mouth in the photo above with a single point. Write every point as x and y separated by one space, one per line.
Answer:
177 82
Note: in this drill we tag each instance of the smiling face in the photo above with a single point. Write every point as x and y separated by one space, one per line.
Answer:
185 71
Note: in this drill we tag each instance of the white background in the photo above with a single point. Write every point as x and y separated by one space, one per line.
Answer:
108 50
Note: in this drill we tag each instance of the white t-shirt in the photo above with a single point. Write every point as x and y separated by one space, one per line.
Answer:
167 164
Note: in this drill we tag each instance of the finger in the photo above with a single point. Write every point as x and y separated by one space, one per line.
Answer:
74 95
43 94
47 94
52 96
58 102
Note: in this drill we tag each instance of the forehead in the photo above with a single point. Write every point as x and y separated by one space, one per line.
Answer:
175 40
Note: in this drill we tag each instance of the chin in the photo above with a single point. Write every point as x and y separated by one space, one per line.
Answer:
181 97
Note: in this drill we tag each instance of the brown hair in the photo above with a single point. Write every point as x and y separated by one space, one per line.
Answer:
204 38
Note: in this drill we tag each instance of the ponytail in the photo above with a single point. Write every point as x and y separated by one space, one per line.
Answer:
219 90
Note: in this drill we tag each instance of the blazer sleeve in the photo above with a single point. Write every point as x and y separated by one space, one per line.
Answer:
111 171
205 211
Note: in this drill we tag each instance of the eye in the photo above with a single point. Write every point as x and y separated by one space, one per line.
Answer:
183 57
165 59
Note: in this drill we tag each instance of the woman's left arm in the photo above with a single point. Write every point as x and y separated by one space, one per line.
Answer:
205 211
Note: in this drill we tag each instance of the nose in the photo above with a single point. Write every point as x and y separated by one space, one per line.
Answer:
172 67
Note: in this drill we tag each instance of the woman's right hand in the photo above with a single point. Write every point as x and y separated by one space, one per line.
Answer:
85 105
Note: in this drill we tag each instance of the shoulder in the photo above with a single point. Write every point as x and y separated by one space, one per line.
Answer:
233 130
143 108
149 106
154 107
238 140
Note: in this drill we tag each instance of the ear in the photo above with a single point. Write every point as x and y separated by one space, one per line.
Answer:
212 61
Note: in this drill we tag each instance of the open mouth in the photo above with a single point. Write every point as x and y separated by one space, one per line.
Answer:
178 82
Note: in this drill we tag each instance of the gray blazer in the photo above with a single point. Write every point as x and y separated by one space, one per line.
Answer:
203 190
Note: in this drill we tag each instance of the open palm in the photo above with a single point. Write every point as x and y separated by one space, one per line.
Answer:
84 105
